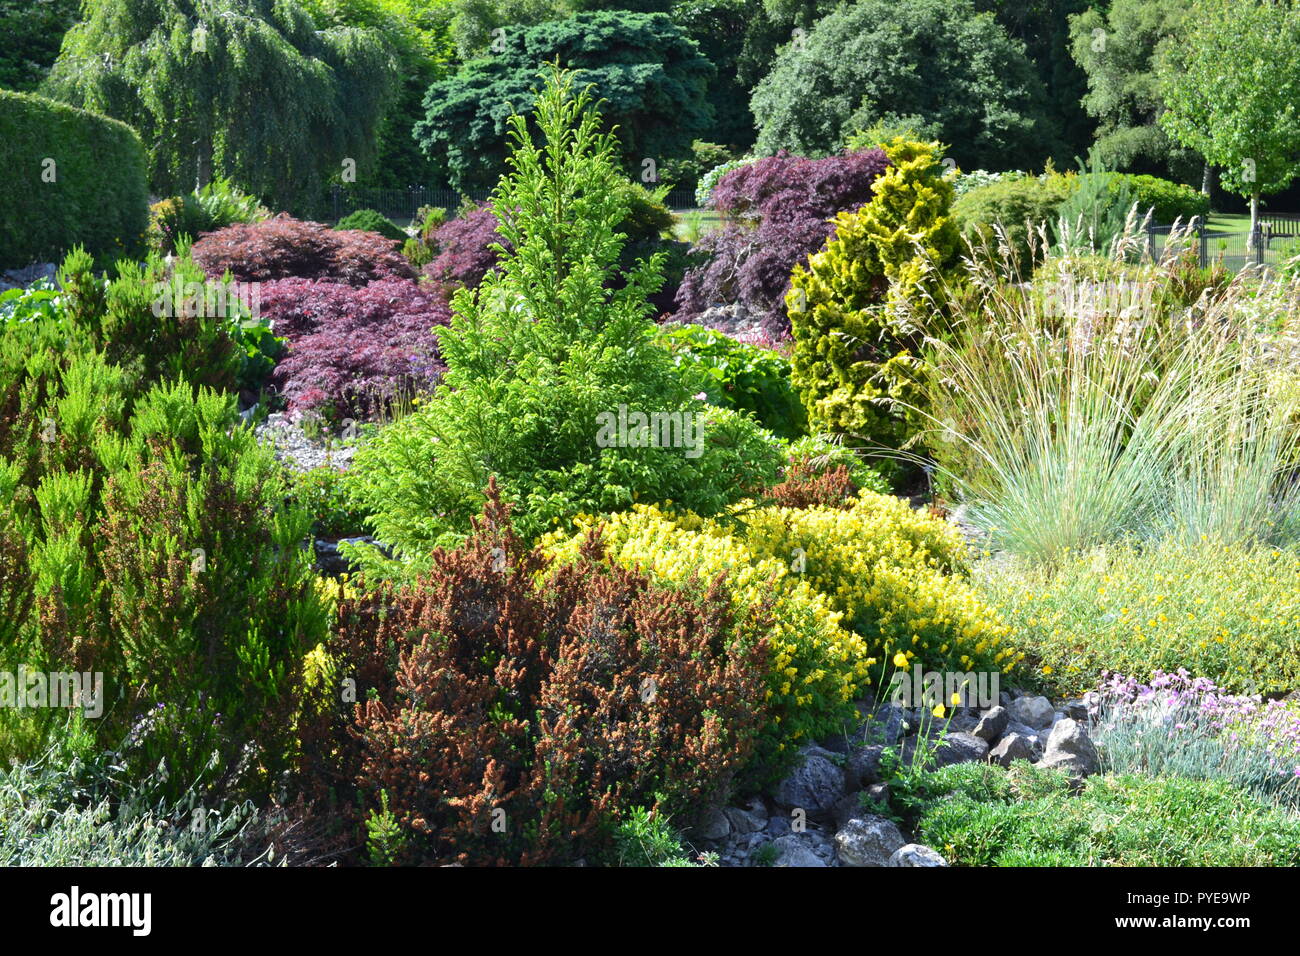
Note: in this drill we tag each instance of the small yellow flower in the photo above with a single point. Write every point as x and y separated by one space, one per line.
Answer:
900 660
939 710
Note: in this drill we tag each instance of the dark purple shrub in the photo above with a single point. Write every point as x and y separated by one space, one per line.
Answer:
463 244
352 350
780 210
283 248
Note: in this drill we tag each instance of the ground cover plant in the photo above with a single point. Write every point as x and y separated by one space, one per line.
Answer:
985 816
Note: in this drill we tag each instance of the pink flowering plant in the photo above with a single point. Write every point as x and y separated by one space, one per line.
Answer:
1178 725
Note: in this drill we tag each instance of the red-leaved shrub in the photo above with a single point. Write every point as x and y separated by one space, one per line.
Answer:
353 350
464 254
510 711
780 210
283 248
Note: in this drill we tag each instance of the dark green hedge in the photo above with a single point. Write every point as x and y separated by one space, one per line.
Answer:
99 197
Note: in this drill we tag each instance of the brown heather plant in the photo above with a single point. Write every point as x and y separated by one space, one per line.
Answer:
807 487
559 696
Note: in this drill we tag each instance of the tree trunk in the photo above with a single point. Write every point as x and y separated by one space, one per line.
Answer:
1254 220
1205 179
203 164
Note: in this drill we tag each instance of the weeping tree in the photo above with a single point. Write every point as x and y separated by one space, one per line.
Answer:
248 89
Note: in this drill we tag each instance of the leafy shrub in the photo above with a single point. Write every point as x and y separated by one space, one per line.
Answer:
284 248
687 173
738 375
219 203
521 400
854 308
467 243
166 321
781 206
465 254
896 574
1166 201
710 179
487 696
852 587
42 218
1095 216
323 494
1012 210
1225 612
815 667
817 454
353 351
368 220
1115 821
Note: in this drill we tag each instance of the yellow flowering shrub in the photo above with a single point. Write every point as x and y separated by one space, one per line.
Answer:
818 667
896 574
1227 612
852 588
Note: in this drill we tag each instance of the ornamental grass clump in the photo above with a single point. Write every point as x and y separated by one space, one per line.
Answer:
1178 725
1077 410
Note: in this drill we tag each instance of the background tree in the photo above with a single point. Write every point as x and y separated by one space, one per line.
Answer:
720 29
1043 26
1232 92
936 61
1119 50
650 75
419 35
32 31
249 89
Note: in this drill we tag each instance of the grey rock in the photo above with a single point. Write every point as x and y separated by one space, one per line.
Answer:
846 808
883 724
1070 748
1014 746
792 851
964 720
960 748
914 854
714 826
867 840
992 724
1075 710
863 766
778 825
1034 712
951 749
1015 727
814 785
750 819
